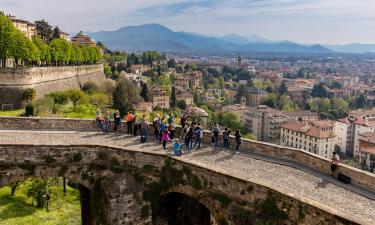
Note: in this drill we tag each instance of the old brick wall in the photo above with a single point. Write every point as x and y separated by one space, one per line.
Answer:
45 80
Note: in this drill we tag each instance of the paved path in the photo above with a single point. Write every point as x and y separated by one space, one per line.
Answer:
281 175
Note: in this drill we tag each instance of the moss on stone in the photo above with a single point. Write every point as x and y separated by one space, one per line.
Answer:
243 216
222 198
102 156
115 166
77 157
63 170
270 211
145 212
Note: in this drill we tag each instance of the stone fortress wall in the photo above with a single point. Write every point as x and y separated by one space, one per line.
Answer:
45 80
359 178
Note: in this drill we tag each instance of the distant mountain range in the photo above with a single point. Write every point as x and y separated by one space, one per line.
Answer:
160 38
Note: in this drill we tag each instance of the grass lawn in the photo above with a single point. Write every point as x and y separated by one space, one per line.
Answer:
17 210
16 112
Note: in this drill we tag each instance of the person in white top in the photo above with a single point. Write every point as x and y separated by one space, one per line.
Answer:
335 162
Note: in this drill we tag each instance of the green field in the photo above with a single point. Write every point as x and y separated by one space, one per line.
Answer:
17 210
16 112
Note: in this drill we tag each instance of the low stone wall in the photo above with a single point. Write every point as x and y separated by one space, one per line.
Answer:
230 199
359 177
45 80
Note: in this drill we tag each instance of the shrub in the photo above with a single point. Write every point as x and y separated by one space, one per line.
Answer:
90 87
29 110
60 98
28 94
99 99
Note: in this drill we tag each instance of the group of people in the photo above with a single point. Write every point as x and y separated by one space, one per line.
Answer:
165 130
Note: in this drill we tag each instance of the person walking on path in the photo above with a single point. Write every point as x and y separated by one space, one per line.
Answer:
226 134
117 119
189 138
165 139
335 162
99 120
216 133
129 120
156 124
144 129
198 136
238 136
107 121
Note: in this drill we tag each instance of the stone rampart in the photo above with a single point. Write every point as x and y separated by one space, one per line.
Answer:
44 80
360 178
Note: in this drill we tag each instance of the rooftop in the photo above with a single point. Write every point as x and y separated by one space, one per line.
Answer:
318 129
301 113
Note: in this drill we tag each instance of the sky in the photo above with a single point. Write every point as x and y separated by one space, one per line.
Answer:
302 21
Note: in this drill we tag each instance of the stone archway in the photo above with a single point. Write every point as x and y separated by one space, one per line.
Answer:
180 209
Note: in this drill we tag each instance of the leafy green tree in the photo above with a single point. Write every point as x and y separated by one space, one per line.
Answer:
75 96
38 189
283 89
336 85
60 98
56 33
33 53
77 55
124 96
360 101
44 30
20 50
171 63
271 100
173 98
7 44
61 51
145 94
28 94
319 91
44 52
90 87
181 104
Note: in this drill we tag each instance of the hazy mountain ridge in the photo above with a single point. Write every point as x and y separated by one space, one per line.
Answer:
160 38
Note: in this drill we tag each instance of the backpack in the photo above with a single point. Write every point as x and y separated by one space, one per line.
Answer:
225 135
198 133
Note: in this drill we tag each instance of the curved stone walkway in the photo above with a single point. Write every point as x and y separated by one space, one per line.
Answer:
301 183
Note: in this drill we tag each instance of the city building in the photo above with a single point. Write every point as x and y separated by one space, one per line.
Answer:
256 97
265 122
82 39
348 130
65 36
315 136
305 115
195 79
160 98
367 150
186 96
26 27
237 109
182 81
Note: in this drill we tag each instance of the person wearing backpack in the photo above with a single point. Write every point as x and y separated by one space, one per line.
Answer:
156 125
198 136
216 133
226 133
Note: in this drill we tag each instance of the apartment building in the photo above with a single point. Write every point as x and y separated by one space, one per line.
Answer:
160 98
316 137
256 97
26 27
237 109
265 122
367 150
305 115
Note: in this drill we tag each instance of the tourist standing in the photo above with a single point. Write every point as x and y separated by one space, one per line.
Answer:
162 127
184 120
238 136
226 134
198 136
144 129
156 124
117 119
189 138
335 162
165 138
172 128
99 120
107 120
129 119
136 123
216 133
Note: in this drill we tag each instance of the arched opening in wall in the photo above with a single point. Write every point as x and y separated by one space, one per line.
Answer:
180 209
38 200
